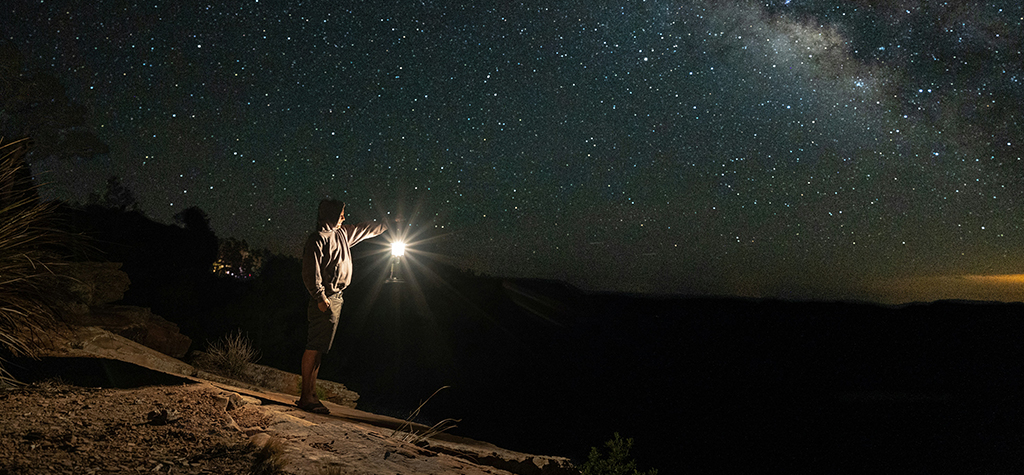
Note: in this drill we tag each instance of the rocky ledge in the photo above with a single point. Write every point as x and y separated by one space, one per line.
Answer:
348 439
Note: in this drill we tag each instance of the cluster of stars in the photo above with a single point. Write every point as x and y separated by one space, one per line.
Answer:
695 136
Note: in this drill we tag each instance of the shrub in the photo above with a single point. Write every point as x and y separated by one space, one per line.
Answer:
617 461
32 249
270 459
231 355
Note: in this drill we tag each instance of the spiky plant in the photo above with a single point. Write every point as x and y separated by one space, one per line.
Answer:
270 458
407 432
231 355
30 252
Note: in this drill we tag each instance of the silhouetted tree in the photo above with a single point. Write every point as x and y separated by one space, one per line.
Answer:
115 195
34 104
235 259
193 219
201 240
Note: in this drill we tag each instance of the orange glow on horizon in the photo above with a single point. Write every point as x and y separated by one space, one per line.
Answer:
997 279
994 287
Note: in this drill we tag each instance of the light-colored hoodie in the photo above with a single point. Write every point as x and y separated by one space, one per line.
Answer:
326 258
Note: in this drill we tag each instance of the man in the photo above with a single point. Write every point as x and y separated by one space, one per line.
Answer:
326 271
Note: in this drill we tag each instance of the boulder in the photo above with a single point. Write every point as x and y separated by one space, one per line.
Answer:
257 376
95 342
291 383
97 283
138 324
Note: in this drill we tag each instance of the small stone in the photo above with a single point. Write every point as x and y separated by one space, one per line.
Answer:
235 401
221 402
162 417
34 435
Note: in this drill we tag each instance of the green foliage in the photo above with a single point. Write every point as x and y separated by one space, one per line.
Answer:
617 461
231 355
31 251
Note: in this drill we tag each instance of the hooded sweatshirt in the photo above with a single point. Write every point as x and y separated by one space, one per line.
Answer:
326 258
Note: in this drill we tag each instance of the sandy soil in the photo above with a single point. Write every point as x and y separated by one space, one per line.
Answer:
200 428
182 423
52 428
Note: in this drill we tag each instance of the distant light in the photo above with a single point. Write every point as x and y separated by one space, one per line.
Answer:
398 249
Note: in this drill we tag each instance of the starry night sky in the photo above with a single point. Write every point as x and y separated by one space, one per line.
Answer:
799 149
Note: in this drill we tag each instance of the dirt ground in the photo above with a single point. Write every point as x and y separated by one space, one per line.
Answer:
177 420
51 427
54 428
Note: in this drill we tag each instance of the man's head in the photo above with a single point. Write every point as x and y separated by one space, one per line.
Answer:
331 213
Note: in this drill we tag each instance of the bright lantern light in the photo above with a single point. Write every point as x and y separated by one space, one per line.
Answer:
398 249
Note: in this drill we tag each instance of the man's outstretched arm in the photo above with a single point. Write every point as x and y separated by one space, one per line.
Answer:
365 230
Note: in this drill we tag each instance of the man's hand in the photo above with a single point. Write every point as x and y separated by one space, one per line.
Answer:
323 305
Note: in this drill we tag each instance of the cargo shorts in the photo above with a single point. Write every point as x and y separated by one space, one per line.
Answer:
323 325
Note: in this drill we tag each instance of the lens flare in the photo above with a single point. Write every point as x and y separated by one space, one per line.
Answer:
398 249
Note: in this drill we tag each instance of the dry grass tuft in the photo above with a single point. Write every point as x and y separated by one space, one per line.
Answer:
407 433
270 459
32 249
230 356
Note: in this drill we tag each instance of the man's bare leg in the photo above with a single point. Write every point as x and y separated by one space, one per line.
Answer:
310 369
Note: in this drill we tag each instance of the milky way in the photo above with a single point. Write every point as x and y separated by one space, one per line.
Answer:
803 149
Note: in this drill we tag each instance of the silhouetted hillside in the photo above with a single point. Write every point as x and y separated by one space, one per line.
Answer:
704 385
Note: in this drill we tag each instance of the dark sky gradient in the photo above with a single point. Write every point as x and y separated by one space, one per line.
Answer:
803 149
